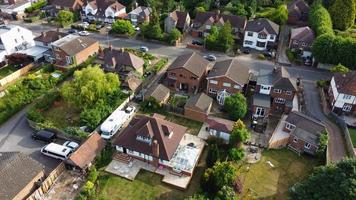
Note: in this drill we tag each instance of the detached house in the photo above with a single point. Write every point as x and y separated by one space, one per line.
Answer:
301 40
261 34
46 39
74 49
228 75
187 73
298 11
139 15
342 93
205 20
177 19
104 10
298 132
72 5
159 143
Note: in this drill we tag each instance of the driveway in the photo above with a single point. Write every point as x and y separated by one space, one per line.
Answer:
336 144
15 135
283 45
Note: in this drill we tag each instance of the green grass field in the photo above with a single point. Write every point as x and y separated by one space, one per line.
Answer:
353 136
261 181
193 126
6 71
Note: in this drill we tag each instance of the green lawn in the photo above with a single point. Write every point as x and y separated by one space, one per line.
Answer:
353 135
193 126
63 115
146 185
6 71
261 181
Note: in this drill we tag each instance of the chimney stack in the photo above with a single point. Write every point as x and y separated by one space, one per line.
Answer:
155 152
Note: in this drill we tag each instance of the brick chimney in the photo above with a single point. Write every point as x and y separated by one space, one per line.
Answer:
155 153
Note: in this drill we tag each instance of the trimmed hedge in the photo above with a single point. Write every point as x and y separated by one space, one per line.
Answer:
320 20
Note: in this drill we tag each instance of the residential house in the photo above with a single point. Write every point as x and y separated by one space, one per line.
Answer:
15 8
205 20
187 73
132 83
198 107
158 142
177 19
342 93
301 40
298 132
139 15
74 49
16 39
103 10
159 92
46 39
219 127
261 34
274 93
298 11
83 157
228 75
20 175
72 5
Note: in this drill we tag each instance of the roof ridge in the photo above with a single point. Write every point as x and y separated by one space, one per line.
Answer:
309 118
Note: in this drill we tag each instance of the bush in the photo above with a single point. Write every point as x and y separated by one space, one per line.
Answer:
213 155
75 131
36 6
159 65
236 106
236 154
321 83
261 57
105 156
123 27
150 105
173 36
93 174
320 20
340 68
91 28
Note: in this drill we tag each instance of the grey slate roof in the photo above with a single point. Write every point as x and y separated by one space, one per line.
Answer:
159 92
303 34
231 69
199 102
192 62
262 24
262 100
283 80
16 171
265 77
122 58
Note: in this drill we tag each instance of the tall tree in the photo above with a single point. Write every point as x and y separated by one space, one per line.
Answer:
225 38
239 134
330 182
65 17
342 13
213 155
236 105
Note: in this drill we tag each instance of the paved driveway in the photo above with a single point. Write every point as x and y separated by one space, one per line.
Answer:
15 135
283 45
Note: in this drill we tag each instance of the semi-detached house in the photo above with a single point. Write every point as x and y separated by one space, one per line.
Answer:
261 34
104 10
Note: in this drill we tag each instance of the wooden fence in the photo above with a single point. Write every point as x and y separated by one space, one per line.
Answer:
17 74
47 183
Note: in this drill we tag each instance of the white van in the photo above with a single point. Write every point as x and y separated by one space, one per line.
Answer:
113 123
56 151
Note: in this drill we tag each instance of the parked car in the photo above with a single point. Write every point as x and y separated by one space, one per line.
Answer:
197 42
70 144
44 135
308 61
246 50
130 110
56 151
99 26
210 57
72 31
267 54
143 49
84 33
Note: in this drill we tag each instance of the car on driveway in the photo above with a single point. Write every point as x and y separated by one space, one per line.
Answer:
245 50
44 135
84 33
210 57
197 42
130 110
70 144
84 24
143 49
72 31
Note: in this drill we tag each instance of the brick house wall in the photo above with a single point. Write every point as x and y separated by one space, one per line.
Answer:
89 51
29 188
296 44
183 76
220 86
195 115
299 145
281 106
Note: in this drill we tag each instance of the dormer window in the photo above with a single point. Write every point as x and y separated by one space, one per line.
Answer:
262 36
144 139
289 126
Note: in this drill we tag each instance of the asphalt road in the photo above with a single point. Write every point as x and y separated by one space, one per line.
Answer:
307 74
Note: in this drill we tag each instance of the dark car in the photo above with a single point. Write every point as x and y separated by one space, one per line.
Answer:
246 50
72 31
197 42
267 54
44 135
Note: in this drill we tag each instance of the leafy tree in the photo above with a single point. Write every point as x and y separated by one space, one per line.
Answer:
65 17
220 175
342 13
225 38
174 35
213 155
150 105
226 193
90 85
210 40
319 19
199 10
340 68
93 174
239 133
323 143
280 15
236 106
240 10
330 182
123 27
236 154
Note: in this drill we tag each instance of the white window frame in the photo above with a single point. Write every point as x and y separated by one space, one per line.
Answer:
237 87
278 91
295 139
289 126
250 34
307 145
212 91
265 87
260 111
347 108
213 82
280 100
227 84
248 42
271 37
288 92
347 97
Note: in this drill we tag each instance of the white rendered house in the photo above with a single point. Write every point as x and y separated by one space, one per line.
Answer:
260 34
105 10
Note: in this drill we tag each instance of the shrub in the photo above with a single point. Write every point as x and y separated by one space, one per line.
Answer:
319 19
93 174
236 154
36 6
261 56
213 155
340 68
236 106
123 27
75 131
105 156
159 65
321 83
174 35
